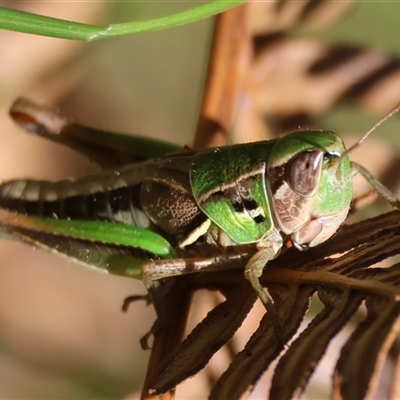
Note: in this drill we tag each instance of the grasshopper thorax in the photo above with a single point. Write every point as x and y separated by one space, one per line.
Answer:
311 192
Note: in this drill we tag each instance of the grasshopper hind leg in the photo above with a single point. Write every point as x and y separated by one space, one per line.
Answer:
155 295
167 268
268 249
144 341
162 270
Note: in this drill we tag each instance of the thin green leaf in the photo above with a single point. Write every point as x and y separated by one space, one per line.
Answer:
20 21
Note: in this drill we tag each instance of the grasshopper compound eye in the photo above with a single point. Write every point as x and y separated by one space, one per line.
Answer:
304 172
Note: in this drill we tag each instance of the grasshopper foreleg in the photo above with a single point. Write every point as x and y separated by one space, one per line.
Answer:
269 248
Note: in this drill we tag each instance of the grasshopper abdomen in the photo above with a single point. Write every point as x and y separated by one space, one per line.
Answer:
75 199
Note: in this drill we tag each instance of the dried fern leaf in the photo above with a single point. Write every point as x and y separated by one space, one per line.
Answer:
296 366
207 338
357 371
263 347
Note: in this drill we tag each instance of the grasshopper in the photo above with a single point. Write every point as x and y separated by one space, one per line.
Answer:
175 211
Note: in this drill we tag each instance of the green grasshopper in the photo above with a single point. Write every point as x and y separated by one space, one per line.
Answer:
175 211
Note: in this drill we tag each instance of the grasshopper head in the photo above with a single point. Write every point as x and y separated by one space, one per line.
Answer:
311 192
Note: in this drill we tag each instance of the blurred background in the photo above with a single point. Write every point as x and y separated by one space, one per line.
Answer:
62 332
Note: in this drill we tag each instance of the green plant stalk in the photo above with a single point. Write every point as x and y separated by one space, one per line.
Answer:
25 22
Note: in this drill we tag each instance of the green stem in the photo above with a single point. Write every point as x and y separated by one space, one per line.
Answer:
20 21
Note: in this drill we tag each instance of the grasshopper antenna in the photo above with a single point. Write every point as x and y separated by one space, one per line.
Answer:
394 111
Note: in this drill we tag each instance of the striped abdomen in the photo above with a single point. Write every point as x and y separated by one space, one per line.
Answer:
108 198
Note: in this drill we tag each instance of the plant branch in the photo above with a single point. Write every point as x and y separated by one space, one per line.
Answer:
21 21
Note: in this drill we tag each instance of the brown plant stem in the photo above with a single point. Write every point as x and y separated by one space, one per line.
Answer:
228 63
